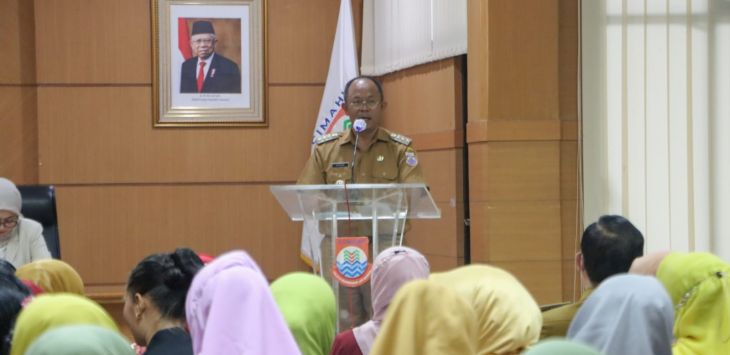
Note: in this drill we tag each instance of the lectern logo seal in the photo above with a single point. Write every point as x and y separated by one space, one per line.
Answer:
352 267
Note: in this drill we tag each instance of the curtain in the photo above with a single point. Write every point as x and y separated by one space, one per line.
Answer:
398 34
656 118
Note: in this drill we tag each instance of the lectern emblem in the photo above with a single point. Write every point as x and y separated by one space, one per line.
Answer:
352 267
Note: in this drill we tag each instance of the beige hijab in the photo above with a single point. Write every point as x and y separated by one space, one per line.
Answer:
508 318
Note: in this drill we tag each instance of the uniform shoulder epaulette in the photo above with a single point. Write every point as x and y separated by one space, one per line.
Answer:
328 137
400 138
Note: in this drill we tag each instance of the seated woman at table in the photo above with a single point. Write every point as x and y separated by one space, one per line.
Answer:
21 239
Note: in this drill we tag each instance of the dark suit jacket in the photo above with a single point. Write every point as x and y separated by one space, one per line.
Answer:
223 76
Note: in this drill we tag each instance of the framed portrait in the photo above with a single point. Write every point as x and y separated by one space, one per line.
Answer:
209 63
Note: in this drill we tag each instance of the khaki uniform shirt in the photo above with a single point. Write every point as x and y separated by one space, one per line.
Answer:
390 159
555 322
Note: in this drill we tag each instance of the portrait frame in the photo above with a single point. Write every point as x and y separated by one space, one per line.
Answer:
239 43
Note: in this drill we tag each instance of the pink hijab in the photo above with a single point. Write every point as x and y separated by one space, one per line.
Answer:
231 311
393 268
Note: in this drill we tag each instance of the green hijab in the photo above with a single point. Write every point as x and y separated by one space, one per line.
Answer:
699 286
80 340
308 305
49 311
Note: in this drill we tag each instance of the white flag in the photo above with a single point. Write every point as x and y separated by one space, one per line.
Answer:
332 118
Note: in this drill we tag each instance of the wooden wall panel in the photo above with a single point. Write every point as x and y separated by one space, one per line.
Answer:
105 135
523 60
542 278
522 107
442 169
17 28
19 143
568 59
514 171
443 237
93 41
517 231
293 60
106 230
443 263
426 98
514 70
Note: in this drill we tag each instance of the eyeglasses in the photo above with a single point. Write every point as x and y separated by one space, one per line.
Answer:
364 103
9 222
204 41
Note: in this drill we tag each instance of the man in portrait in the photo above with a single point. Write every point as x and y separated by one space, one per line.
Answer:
208 71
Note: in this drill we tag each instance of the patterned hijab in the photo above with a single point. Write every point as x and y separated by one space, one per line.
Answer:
508 318
626 314
230 310
308 305
699 286
52 276
392 269
80 340
50 311
427 318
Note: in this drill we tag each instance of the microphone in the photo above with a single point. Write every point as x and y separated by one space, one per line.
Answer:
358 126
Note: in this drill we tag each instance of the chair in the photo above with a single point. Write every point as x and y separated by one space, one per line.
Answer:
39 204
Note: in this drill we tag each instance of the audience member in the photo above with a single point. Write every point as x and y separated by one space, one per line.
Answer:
559 346
508 318
11 282
52 276
607 247
6 267
230 310
50 311
699 287
80 340
21 239
392 269
626 314
10 305
427 318
154 304
308 305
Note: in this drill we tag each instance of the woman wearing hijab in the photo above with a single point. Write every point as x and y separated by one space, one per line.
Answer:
21 239
50 311
231 311
508 318
392 268
154 304
626 314
80 340
52 276
699 287
558 346
308 305
427 318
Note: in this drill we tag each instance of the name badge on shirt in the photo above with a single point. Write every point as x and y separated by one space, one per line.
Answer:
342 164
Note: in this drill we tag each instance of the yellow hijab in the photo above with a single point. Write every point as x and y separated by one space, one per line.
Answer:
508 318
699 285
49 311
52 276
426 318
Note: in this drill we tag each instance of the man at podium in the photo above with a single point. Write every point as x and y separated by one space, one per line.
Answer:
381 156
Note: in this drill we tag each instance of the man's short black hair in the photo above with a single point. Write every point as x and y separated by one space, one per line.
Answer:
375 81
609 246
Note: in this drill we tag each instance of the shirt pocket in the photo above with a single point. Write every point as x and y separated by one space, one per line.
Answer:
385 172
338 173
